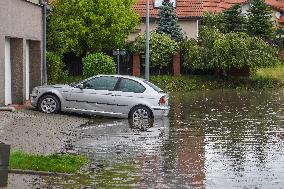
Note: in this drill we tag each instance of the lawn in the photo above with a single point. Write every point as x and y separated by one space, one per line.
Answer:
59 163
275 73
266 78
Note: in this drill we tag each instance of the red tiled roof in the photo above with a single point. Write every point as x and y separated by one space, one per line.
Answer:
220 5
184 8
196 8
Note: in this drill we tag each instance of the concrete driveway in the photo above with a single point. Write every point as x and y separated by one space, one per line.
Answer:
34 132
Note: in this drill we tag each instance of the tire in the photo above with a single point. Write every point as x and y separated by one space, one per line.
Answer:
140 112
49 104
141 125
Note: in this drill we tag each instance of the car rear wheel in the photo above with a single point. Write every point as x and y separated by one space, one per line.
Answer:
49 104
140 112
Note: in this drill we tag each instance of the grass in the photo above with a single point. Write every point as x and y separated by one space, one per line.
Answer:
50 163
266 78
205 82
275 73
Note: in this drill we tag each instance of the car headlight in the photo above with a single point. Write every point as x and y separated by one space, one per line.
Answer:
35 91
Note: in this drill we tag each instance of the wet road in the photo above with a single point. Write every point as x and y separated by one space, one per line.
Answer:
214 139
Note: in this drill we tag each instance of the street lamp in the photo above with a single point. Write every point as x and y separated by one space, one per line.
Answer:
117 53
147 59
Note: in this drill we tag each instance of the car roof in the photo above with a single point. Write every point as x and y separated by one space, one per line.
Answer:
124 76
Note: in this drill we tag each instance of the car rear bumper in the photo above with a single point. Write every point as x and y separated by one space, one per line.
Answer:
160 111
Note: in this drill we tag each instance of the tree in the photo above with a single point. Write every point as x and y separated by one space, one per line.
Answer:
259 20
88 26
232 21
98 63
168 22
162 48
216 50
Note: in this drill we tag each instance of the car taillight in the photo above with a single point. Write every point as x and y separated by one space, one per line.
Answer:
162 101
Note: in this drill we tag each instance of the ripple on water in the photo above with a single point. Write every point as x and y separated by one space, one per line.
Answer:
212 139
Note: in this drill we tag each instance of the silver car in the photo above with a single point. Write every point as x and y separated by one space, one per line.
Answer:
106 95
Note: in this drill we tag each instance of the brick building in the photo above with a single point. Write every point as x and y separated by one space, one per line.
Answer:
20 49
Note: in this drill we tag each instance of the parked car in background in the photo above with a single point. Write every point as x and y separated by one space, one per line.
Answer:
106 95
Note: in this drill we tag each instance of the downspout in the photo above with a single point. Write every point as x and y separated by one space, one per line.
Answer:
197 29
44 66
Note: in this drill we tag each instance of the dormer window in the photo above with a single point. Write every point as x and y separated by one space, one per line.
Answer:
158 3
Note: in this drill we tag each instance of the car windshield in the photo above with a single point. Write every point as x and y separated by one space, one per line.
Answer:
156 88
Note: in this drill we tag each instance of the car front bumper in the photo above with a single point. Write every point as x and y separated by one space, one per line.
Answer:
34 99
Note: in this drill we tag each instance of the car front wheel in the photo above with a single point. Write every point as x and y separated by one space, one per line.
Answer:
49 104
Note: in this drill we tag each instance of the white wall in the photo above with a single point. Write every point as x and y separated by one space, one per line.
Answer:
8 73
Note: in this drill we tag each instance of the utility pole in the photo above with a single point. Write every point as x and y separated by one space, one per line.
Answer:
147 59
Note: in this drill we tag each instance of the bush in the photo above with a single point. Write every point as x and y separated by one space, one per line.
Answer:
56 68
162 48
98 63
220 51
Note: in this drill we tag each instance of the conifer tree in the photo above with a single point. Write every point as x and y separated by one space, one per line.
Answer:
168 22
232 20
259 20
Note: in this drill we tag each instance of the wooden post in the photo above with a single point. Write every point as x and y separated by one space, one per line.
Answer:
136 64
176 64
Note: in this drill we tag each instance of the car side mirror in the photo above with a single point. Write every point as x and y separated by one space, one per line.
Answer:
81 86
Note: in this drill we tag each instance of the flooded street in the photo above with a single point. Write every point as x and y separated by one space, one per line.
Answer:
219 139
213 139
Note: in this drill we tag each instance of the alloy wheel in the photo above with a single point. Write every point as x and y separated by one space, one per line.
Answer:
48 105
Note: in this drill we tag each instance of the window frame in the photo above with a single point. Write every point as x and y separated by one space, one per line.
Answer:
98 77
119 82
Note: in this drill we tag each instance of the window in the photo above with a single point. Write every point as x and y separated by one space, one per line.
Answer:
158 3
153 86
128 85
101 83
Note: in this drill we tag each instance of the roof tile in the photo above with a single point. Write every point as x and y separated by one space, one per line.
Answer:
196 8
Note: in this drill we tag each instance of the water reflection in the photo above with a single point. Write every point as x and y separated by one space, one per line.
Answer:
214 139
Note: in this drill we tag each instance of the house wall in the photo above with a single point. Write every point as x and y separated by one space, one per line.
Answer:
190 28
20 21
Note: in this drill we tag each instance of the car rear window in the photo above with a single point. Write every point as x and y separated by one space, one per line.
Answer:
156 88
129 85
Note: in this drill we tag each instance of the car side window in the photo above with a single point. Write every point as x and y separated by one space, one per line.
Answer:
128 85
101 83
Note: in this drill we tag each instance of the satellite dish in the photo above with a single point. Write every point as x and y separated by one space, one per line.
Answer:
277 15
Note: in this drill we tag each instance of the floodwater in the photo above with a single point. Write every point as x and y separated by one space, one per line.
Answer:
211 139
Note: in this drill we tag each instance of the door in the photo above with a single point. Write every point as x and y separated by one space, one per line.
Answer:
8 73
27 79
96 95
127 94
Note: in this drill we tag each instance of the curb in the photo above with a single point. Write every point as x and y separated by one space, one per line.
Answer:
40 173
11 109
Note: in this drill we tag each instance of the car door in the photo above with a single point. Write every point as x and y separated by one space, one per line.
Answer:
96 95
127 94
